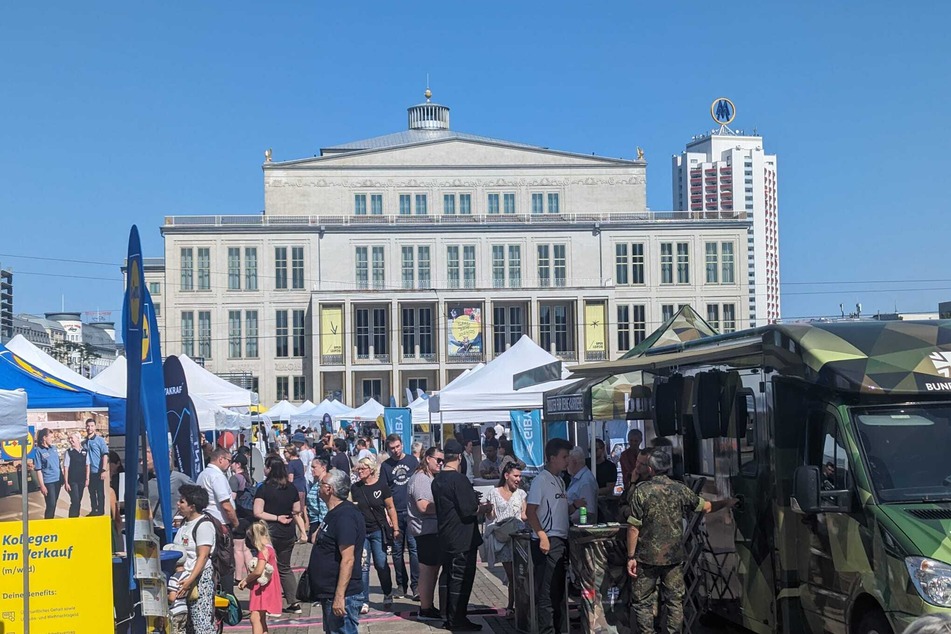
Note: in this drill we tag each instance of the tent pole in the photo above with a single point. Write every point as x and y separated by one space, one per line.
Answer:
24 483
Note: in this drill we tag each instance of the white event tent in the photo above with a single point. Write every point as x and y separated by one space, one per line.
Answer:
24 348
282 411
488 395
369 411
316 413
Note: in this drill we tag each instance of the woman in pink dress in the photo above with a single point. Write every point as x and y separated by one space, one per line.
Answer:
266 596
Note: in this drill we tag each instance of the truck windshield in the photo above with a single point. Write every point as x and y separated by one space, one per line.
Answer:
906 451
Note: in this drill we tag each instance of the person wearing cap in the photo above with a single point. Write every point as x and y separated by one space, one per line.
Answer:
458 511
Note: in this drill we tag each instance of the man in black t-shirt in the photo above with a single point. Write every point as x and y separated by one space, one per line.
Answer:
457 513
335 567
396 471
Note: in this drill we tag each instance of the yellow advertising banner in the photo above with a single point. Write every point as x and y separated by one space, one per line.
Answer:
331 330
594 330
62 554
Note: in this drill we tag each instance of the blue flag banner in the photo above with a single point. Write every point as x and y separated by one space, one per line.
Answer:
399 421
181 420
527 441
133 323
558 429
153 409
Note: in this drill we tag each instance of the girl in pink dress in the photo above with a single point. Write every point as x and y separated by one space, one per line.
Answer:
265 597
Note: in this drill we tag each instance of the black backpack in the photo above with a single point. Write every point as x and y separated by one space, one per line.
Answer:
222 558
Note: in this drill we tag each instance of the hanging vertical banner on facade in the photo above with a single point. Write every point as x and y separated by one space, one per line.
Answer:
181 419
399 421
465 331
594 328
331 330
527 441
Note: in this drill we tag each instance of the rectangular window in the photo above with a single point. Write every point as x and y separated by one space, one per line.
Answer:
452 266
713 316
449 204
372 388
281 332
297 267
713 264
188 333
379 276
509 201
376 204
544 265
380 335
417 385
234 269
727 264
553 207
234 334
363 333
204 269
553 326
362 269
465 204
469 266
297 334
300 388
426 344
666 263
406 205
666 312
408 268
158 309
538 203
409 333
283 388
623 328
251 268
622 267
515 266
423 267
359 204
204 334
638 323
507 327
683 263
493 203
637 263
561 265
251 334
155 289
421 209
188 272
498 265
729 318
280 267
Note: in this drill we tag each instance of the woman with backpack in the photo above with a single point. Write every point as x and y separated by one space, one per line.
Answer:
277 503
197 537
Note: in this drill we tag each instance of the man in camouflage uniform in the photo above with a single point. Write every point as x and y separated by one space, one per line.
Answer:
654 542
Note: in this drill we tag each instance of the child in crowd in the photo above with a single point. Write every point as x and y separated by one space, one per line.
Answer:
265 588
177 607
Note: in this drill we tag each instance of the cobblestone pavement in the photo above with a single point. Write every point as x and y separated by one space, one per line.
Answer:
486 606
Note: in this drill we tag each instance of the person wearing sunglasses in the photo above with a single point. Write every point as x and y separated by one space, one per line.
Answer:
423 526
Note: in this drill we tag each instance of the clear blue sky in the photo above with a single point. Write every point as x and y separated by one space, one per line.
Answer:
122 113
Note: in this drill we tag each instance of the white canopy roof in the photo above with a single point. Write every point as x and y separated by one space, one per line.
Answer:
25 349
282 411
201 383
488 395
13 415
316 413
369 411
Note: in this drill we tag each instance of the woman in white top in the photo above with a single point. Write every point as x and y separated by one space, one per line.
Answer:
197 538
508 501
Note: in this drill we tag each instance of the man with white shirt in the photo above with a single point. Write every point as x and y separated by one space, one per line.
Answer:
220 505
547 513
583 489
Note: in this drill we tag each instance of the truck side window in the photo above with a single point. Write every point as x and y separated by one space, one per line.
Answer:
830 455
747 442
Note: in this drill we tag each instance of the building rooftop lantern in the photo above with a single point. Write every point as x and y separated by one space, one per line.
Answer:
428 116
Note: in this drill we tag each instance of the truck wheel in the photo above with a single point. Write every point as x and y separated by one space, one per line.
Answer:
873 622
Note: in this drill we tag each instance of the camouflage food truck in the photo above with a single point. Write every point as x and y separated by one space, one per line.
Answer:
836 438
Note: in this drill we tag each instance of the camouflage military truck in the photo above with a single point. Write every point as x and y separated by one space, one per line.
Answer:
836 437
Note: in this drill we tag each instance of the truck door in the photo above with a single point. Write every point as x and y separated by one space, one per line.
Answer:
826 571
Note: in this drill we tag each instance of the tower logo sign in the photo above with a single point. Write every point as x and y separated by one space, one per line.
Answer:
723 111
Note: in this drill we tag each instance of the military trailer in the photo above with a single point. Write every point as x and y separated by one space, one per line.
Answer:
836 438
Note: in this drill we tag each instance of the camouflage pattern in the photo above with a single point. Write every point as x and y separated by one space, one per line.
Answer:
669 580
599 561
685 325
658 507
